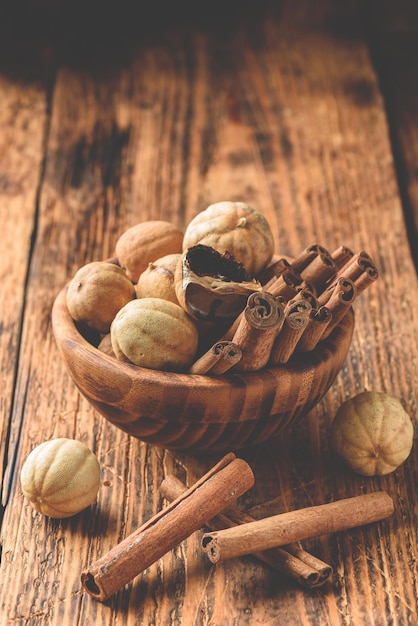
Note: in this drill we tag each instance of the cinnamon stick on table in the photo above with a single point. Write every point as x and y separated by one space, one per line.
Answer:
223 484
286 528
292 561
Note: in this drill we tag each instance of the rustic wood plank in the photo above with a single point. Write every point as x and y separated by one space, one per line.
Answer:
394 40
51 407
23 122
286 113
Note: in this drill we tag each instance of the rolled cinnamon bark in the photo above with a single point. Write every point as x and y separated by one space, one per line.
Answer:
296 316
231 355
342 297
359 263
366 278
205 363
341 256
318 321
274 270
308 256
319 271
223 484
309 560
306 293
285 285
286 528
218 359
259 324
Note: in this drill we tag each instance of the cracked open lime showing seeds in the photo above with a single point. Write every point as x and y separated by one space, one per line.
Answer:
236 228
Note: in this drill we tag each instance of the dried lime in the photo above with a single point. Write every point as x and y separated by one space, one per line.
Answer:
60 477
373 433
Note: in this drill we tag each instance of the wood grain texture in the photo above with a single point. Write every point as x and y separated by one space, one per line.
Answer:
395 53
23 122
281 107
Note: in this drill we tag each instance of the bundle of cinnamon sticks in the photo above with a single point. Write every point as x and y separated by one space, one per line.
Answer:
274 540
300 304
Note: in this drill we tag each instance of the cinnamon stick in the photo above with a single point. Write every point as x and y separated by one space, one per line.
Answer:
308 256
231 355
307 286
218 359
319 271
366 278
306 523
324 570
285 285
342 297
306 293
205 363
274 270
318 321
359 263
223 484
261 321
341 256
360 269
292 561
296 316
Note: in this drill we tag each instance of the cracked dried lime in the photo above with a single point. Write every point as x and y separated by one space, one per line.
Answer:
236 228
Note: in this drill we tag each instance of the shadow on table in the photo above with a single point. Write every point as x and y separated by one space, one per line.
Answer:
36 37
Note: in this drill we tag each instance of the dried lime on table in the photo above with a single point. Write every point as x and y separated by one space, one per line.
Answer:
60 477
373 433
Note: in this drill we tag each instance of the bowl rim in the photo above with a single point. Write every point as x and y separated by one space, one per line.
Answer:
66 331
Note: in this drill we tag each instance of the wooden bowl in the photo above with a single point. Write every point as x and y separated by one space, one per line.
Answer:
194 412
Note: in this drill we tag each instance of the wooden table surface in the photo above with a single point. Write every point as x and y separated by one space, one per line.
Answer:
309 113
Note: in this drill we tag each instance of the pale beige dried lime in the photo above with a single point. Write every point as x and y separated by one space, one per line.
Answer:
60 477
145 242
154 333
236 228
373 433
157 281
97 292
